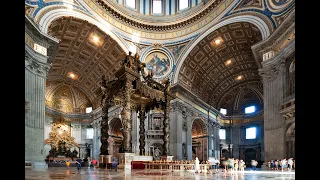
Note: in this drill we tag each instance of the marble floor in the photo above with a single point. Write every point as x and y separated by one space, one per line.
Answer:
94 174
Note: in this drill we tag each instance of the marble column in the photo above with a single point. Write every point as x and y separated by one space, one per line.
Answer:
274 123
36 70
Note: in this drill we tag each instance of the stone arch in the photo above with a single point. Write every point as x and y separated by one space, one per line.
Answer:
255 20
199 136
44 20
225 153
115 136
250 154
291 131
290 141
158 143
155 141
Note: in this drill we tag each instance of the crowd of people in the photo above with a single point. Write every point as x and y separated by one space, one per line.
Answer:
283 164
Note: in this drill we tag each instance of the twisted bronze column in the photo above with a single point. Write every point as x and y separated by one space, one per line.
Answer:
126 118
142 130
166 127
104 122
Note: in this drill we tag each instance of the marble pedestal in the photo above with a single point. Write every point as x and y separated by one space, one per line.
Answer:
104 159
168 158
125 160
142 158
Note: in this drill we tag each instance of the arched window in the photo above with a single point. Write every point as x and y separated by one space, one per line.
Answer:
157 6
131 3
183 4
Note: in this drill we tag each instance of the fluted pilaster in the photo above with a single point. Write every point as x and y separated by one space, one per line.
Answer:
274 123
35 83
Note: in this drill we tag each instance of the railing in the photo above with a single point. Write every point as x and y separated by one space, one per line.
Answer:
243 116
69 115
154 132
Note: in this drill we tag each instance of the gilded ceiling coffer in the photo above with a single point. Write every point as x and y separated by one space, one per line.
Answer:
126 88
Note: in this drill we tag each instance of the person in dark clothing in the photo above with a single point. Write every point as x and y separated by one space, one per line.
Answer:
79 161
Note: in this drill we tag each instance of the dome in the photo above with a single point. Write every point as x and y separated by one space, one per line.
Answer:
158 12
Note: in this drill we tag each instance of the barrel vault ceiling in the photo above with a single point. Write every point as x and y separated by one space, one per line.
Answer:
84 50
221 64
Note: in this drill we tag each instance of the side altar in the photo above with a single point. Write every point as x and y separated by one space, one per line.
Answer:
63 145
133 89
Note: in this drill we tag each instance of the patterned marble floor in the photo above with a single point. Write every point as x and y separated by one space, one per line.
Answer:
95 174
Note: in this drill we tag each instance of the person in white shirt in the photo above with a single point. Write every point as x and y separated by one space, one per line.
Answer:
196 165
212 161
217 166
283 164
290 163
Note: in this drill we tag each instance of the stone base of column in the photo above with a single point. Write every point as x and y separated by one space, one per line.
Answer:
264 166
168 158
103 160
125 160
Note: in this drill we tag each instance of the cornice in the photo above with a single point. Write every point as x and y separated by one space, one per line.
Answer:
277 36
53 112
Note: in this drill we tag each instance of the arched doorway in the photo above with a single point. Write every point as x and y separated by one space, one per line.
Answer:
199 140
290 141
250 154
115 136
225 154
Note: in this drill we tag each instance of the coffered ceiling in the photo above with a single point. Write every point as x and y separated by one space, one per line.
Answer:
221 63
85 53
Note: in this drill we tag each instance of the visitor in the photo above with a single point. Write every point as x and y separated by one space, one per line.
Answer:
276 164
79 161
89 162
212 164
217 166
224 163
241 165
196 165
236 165
114 164
290 163
283 164
68 163
254 164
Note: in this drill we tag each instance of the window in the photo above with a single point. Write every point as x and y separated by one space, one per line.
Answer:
222 133
88 109
157 6
90 133
131 3
223 111
183 4
251 133
250 109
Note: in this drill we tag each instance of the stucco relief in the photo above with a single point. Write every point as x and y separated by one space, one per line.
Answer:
36 67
